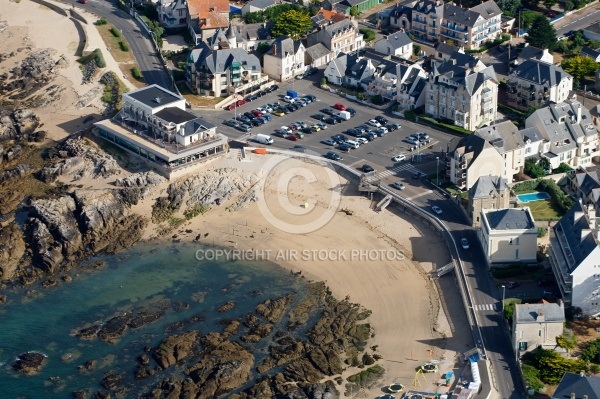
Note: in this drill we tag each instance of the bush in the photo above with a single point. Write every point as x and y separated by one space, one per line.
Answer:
323 81
532 377
562 201
101 21
410 115
542 231
562 168
194 211
365 377
135 72
115 32
99 58
123 45
533 169
377 100
369 34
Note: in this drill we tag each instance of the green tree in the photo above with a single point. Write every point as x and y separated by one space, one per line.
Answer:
526 18
579 67
549 3
530 3
532 377
292 23
553 366
354 12
569 5
369 34
509 7
541 34
263 47
533 169
254 17
416 50
563 168
567 341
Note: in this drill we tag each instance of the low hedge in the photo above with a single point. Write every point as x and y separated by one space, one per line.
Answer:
99 58
123 45
135 72
432 122
101 21
115 32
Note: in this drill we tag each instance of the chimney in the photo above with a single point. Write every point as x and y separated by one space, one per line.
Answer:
540 316
274 49
581 374
572 395
579 114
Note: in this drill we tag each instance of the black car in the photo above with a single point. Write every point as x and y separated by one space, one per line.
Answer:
231 123
257 121
319 117
328 111
368 136
367 168
249 115
289 109
272 88
243 118
331 121
338 119
311 71
262 93
351 111
362 128
381 120
339 137
353 132
281 109
392 126
307 130
332 155
310 97
343 148
250 98
244 128
296 107
298 148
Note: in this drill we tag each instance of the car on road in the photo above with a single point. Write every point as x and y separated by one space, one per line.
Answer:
374 123
333 156
381 120
339 107
512 284
436 209
464 243
231 122
244 128
416 175
399 157
298 148
351 111
329 142
367 168
398 185
392 126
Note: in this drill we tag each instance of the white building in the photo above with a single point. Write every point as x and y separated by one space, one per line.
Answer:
537 325
506 139
508 235
397 44
575 258
284 60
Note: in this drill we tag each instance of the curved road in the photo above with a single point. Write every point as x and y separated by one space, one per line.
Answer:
140 44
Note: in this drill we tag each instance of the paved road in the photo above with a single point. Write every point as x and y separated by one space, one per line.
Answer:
378 154
578 20
140 44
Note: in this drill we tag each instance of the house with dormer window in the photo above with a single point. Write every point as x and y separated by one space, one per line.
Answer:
284 60
172 14
397 44
349 69
471 28
426 20
339 37
412 80
205 17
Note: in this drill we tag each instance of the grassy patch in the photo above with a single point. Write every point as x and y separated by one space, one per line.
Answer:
542 210
124 58
197 101
135 72
444 126
368 376
195 211
124 46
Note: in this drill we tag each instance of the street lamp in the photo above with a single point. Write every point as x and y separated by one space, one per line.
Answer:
437 171
503 292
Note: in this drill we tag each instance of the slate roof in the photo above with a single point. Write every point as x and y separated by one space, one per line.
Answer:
509 219
460 15
285 47
219 61
258 31
587 182
459 69
572 225
503 136
317 51
148 95
445 48
192 126
487 10
540 72
400 10
594 28
580 386
175 115
339 27
397 40
472 145
487 186
262 4
529 313
586 51
425 6
531 133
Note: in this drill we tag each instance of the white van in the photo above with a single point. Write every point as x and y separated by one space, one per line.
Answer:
264 139
345 115
352 143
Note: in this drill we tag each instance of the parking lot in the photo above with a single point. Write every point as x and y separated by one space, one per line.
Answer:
377 153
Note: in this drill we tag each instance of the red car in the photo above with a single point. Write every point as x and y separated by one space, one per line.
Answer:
257 113
293 128
240 103
340 107
292 137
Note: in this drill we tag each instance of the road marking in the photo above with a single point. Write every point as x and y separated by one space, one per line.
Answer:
420 195
393 171
486 306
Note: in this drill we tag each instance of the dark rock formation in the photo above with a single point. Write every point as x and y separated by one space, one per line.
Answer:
111 380
29 363
273 310
175 348
141 179
144 317
226 307
12 249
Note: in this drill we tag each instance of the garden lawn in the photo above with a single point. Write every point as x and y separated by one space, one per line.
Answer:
541 210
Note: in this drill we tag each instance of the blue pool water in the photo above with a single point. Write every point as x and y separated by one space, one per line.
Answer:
234 10
533 197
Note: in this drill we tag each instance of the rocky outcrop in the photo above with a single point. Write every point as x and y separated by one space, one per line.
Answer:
15 173
175 348
78 158
141 179
12 249
226 307
273 310
17 125
29 363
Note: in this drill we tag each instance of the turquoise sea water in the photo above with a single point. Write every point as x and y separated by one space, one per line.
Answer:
46 321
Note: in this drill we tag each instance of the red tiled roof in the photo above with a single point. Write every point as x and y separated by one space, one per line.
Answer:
203 7
214 20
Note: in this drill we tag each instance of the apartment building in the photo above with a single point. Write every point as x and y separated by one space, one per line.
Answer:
536 83
471 28
219 72
569 134
384 81
575 258
339 37
284 60
472 158
508 235
586 186
154 126
412 80
507 140
426 18
462 90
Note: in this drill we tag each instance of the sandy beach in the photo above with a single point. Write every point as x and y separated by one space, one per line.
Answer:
380 260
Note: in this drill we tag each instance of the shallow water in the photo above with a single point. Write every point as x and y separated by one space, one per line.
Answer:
140 276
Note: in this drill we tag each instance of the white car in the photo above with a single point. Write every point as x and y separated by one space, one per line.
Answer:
289 99
373 122
398 185
264 110
464 243
383 129
437 210
399 157
362 140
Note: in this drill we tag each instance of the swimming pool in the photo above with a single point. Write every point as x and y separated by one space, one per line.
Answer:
234 9
533 197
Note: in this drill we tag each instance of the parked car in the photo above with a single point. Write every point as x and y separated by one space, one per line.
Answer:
249 115
368 136
249 99
351 111
333 155
392 126
331 121
362 140
374 123
319 117
243 119
231 122
307 130
367 168
436 209
422 135
311 97
289 99
281 134
328 111
272 88
512 284
289 109
292 137
244 128
381 120
339 107
353 132
398 185
464 243
278 112
328 142
381 131
343 148
339 137
416 175
298 148
322 126
315 128
257 122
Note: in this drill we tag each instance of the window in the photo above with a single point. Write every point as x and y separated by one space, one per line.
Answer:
539 333
517 240
510 241
517 254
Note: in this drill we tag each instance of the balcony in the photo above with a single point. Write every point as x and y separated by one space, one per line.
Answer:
455 28
463 165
